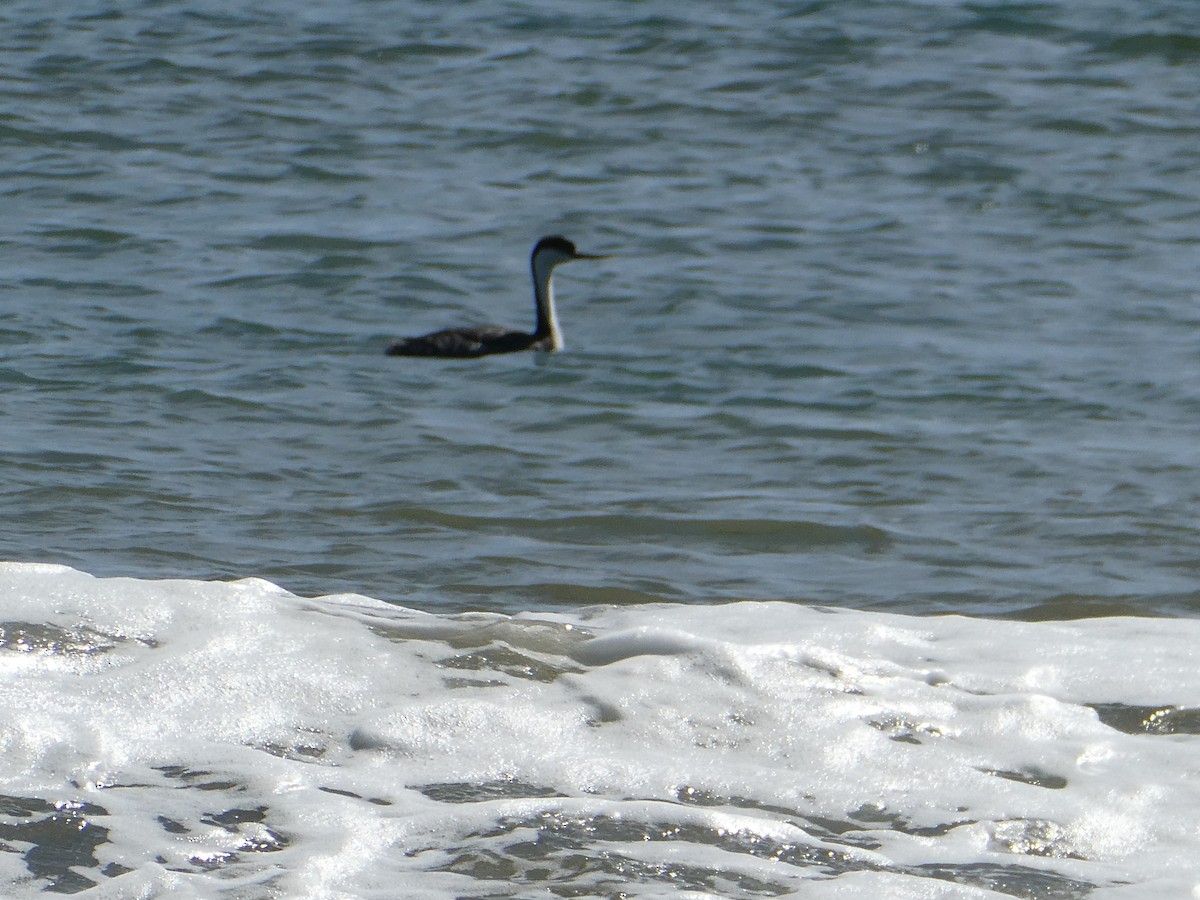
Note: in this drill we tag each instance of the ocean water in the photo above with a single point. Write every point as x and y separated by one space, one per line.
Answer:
850 548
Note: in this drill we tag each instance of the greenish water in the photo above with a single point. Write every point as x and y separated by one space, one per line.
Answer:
903 312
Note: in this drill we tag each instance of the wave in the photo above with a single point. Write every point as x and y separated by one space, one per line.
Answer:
208 739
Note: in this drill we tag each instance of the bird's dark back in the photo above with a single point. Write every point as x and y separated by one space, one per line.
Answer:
466 343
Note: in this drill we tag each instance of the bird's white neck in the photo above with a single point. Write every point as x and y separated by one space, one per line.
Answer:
543 295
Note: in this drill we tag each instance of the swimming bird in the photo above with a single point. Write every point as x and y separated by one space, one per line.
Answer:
465 343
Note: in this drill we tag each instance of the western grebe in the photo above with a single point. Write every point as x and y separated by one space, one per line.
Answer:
468 342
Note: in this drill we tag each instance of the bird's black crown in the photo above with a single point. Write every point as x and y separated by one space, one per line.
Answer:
556 242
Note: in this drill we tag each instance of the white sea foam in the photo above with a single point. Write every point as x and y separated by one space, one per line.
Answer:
188 739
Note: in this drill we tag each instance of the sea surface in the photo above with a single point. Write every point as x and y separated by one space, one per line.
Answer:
850 548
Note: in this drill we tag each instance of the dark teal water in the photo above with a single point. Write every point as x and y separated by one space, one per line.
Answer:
903 313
